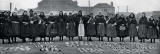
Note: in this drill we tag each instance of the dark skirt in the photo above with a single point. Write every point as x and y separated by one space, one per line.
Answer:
51 30
111 31
1 31
151 33
24 30
41 30
101 29
91 29
33 30
71 30
133 30
142 31
15 29
61 29
122 33
7 30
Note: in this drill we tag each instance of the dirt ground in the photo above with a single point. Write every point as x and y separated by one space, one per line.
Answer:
81 47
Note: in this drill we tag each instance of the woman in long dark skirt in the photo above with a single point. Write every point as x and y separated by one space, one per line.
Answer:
91 28
24 26
5 27
34 27
1 26
51 30
15 26
42 26
70 27
151 32
121 28
132 27
61 25
111 28
100 23
142 28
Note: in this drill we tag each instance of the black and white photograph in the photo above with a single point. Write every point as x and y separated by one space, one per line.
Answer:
79 27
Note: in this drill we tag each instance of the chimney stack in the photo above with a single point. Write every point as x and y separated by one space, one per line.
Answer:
112 3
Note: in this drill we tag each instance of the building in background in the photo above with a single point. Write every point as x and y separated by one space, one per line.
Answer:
67 6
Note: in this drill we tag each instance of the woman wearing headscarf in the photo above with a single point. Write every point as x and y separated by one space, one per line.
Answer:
100 26
15 26
34 27
91 28
132 27
111 28
142 28
70 27
42 26
51 30
61 25
121 27
6 29
152 30
24 26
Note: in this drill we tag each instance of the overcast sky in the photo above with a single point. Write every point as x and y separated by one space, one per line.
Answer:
134 5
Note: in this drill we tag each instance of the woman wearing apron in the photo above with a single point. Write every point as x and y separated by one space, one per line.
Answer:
71 33
91 28
142 30
121 28
15 26
6 29
111 28
132 27
34 27
100 23
81 30
152 30
51 27
42 26
61 25
24 26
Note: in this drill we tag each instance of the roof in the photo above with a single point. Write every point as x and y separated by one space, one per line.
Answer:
103 5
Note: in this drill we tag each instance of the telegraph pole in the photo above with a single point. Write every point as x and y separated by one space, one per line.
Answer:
10 5
127 8
89 3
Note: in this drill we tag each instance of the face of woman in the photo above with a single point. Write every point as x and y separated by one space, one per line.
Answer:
143 15
41 13
51 14
132 15
5 13
35 14
25 13
60 13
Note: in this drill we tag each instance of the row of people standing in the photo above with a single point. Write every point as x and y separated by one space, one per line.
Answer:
34 25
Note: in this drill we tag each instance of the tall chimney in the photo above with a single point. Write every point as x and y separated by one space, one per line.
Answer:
112 3
10 6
